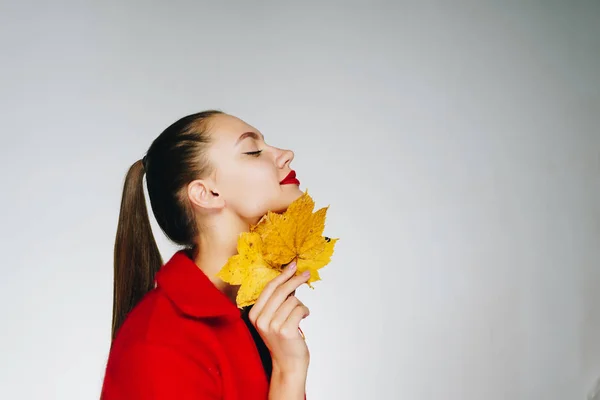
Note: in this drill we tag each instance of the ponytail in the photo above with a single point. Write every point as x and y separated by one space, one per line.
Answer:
173 160
137 258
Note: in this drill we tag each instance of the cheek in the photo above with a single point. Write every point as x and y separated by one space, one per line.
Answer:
253 182
252 192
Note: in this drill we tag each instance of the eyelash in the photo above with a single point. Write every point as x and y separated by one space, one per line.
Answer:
254 153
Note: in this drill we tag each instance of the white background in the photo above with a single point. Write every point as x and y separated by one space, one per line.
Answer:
458 146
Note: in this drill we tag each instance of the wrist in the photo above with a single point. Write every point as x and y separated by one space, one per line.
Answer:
288 383
290 369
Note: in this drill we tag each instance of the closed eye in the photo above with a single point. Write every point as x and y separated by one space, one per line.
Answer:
254 153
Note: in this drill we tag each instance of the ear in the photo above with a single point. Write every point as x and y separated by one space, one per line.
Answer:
203 194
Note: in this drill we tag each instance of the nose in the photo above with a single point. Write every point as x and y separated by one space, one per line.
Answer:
285 158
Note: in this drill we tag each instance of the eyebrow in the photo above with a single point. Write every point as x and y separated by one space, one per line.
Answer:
252 135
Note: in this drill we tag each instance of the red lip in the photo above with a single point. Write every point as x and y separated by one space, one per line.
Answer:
290 179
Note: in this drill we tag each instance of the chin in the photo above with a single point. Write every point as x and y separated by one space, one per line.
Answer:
278 204
295 189
288 196
292 193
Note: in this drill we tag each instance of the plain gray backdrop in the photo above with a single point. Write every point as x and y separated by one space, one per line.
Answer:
457 144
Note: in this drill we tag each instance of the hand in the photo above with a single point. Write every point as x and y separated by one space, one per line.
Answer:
276 315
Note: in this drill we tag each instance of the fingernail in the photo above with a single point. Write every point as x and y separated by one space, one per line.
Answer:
306 274
292 266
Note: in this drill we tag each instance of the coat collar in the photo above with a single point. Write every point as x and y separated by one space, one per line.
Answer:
192 292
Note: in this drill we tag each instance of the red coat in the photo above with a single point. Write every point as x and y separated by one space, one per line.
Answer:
184 340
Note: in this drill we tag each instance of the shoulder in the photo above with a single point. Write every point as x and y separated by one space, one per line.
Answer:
157 324
143 369
160 354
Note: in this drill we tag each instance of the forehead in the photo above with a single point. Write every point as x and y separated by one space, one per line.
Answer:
226 128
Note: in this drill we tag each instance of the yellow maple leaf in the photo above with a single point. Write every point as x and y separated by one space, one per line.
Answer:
248 269
254 284
275 241
248 256
297 235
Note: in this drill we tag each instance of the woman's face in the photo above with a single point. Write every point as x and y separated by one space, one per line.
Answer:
248 173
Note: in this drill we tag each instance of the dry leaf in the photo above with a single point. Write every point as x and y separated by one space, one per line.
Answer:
297 234
248 269
275 241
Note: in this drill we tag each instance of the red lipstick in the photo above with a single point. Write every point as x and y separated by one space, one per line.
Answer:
290 179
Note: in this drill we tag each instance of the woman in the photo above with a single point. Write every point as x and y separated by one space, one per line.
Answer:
177 332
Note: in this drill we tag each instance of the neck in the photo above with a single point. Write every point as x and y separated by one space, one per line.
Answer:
216 244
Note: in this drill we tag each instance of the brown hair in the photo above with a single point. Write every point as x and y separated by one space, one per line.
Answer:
175 158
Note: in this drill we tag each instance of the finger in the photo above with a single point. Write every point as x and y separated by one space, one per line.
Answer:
280 295
290 329
283 312
268 290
